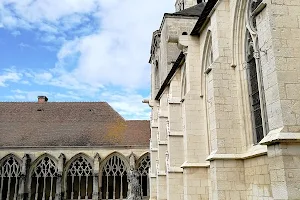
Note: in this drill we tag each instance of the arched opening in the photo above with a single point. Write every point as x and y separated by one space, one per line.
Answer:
114 178
43 179
255 82
143 169
79 179
206 89
10 177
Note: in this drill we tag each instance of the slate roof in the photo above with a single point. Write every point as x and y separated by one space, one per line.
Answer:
68 124
194 11
203 16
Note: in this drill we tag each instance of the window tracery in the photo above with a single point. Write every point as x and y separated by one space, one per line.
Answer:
43 179
10 178
114 179
143 169
80 179
255 81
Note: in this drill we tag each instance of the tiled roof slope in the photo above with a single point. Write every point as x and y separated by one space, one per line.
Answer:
68 124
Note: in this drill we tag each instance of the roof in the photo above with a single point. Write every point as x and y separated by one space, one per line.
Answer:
68 124
176 65
194 11
203 17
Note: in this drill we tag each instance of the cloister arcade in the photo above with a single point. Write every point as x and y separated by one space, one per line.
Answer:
80 177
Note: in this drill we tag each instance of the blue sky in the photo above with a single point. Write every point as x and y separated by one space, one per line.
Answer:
79 50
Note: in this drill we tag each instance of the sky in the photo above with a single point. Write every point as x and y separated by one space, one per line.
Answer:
79 51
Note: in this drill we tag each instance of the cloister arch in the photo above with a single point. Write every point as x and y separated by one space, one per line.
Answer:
78 177
143 166
43 176
10 171
113 173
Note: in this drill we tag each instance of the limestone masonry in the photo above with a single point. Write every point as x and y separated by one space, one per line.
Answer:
225 99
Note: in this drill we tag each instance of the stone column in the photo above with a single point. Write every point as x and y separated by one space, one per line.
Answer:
96 177
132 167
59 181
23 176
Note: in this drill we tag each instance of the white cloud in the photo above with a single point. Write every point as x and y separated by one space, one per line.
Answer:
103 43
9 75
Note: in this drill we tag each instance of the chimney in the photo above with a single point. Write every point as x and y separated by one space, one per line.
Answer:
42 99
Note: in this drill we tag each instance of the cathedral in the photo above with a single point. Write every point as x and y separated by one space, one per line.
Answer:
225 100
70 150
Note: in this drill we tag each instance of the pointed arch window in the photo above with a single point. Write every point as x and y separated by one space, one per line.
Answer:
143 169
43 179
255 81
114 179
80 179
10 178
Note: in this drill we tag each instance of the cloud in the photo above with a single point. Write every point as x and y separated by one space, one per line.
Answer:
9 75
100 44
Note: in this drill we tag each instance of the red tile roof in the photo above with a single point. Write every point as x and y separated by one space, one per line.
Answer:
68 124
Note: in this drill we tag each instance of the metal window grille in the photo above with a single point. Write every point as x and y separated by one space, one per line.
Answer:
80 179
10 179
114 181
143 169
43 180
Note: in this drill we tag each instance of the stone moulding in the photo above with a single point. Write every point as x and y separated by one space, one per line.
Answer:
276 136
255 151
175 170
195 165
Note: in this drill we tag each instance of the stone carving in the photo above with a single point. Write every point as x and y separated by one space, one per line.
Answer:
134 185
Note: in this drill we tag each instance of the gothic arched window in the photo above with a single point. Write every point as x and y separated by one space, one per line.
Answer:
9 178
205 77
255 81
114 178
80 179
43 179
143 169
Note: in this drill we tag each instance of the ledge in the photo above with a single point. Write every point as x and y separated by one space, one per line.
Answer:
154 125
152 175
161 173
174 100
153 149
175 170
195 165
176 134
162 143
255 151
276 136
